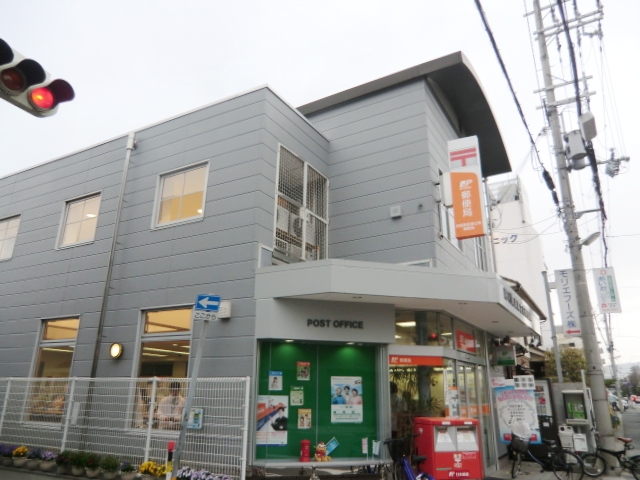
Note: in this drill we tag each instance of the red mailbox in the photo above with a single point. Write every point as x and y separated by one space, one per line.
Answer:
451 445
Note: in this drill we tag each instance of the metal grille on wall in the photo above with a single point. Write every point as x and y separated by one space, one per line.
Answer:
128 418
301 214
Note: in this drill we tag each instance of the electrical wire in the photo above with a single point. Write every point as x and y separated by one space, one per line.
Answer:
588 145
485 22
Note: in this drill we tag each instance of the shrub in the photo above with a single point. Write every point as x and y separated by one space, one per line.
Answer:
110 464
63 458
92 461
77 459
127 467
34 454
6 450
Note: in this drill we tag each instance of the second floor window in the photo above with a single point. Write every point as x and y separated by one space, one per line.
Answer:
302 209
182 195
80 221
8 234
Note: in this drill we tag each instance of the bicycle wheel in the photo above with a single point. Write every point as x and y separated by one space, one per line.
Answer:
515 466
567 466
594 464
633 464
398 471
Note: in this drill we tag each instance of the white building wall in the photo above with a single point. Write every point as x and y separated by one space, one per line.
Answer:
516 243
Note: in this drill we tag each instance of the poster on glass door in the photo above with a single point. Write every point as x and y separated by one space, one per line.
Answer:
272 422
516 404
346 399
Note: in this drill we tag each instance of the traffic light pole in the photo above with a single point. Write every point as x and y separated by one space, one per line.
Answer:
591 352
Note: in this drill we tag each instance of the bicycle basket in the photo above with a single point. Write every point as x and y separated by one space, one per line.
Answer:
519 444
399 447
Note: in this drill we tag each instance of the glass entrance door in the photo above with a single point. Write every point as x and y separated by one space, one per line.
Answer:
474 403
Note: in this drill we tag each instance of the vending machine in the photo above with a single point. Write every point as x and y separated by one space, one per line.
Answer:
451 445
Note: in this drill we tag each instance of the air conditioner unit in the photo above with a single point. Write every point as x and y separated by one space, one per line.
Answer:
297 224
281 245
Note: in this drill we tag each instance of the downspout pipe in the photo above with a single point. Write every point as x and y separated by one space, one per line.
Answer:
131 145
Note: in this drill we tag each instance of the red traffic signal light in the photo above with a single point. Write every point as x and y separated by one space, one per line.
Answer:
24 83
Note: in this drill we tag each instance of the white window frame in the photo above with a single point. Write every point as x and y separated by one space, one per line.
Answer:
480 249
135 367
155 225
305 213
54 343
447 226
8 219
63 220
160 337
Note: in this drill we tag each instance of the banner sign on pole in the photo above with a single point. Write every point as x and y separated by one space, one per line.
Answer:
569 311
462 188
607 290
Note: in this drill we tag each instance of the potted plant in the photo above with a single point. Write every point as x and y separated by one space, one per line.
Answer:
6 452
110 466
92 464
151 470
48 461
62 461
33 458
127 471
184 473
76 462
19 455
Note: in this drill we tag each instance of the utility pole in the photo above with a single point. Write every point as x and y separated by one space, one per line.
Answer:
612 359
591 352
554 335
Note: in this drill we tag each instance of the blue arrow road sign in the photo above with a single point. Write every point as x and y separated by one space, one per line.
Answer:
209 303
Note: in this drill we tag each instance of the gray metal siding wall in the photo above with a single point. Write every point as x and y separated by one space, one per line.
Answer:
285 126
439 133
386 149
42 282
379 157
153 268
170 266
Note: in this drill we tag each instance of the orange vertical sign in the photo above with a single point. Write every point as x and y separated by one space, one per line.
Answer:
467 203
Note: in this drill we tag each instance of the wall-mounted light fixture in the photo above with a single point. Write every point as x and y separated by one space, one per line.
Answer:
116 350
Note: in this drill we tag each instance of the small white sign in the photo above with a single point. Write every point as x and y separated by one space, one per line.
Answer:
567 298
606 290
365 446
195 418
204 315
498 382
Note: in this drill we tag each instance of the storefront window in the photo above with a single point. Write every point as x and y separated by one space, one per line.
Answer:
445 327
164 352
465 339
423 328
165 343
316 393
416 391
55 355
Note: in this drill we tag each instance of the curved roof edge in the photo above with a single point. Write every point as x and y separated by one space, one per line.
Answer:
455 76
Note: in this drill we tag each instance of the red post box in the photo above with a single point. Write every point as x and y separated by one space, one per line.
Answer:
305 450
451 445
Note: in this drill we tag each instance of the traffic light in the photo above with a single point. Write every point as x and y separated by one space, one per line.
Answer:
24 83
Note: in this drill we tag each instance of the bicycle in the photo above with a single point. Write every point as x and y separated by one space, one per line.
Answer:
402 469
595 465
564 464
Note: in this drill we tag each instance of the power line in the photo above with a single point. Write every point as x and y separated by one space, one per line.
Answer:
545 173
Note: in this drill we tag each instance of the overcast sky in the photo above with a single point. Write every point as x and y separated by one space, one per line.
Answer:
134 63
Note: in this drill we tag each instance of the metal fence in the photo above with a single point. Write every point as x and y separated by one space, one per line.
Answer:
131 418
